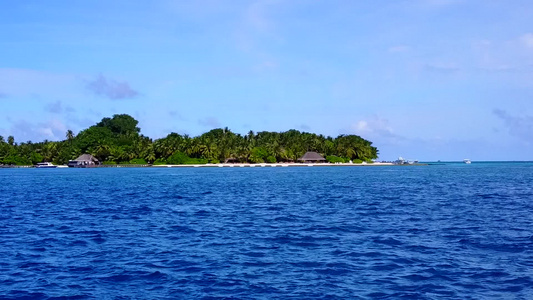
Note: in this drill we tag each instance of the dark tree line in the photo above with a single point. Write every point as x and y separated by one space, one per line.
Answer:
118 140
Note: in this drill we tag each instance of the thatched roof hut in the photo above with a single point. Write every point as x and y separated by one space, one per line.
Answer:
312 157
83 161
86 157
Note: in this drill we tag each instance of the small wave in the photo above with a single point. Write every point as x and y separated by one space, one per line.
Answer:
81 269
154 276
489 274
333 271
79 243
18 294
386 267
365 254
388 241
71 297
201 213
253 254
39 249
499 247
184 229
118 278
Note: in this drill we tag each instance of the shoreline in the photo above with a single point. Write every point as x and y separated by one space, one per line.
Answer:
272 165
232 165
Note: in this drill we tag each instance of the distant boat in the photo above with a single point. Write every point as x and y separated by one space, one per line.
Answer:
45 165
467 161
402 161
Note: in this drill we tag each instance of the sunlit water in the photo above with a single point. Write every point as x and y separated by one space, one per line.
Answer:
444 231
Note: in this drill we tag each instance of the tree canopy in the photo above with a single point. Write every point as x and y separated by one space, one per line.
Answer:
118 140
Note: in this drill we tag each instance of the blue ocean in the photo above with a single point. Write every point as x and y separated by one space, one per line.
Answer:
451 231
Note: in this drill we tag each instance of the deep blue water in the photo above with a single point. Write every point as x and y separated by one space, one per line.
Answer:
450 231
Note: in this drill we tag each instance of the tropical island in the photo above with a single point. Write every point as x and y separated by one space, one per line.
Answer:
117 140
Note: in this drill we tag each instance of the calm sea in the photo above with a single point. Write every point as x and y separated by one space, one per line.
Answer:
452 231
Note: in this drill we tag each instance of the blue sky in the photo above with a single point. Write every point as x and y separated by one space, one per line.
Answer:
422 79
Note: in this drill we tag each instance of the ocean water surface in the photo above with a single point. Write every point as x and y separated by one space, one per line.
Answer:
451 231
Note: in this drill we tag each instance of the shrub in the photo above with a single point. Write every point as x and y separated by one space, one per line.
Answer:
271 159
357 161
334 159
256 159
160 161
178 158
16 160
258 155
138 161
110 162
36 158
195 161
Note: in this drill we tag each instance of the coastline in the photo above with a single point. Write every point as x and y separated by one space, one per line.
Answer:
272 165
235 165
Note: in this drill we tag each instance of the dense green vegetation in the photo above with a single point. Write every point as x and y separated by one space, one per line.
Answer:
117 140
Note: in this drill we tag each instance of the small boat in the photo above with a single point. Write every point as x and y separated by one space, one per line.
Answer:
45 165
467 161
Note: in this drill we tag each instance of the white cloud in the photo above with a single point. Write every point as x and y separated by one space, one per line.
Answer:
24 131
440 3
374 126
257 24
527 40
255 16
513 55
442 67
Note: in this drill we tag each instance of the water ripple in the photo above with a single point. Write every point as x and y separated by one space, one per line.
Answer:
448 231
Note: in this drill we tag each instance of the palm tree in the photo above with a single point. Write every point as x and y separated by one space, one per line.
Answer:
150 155
102 152
11 140
69 135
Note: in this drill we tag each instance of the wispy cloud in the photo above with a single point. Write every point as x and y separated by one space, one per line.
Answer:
304 127
442 67
375 127
527 40
256 16
519 126
440 3
54 107
512 55
30 82
210 122
53 129
111 89
176 115
257 24
24 130
58 107
399 48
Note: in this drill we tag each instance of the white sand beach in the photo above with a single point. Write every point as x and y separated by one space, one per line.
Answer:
271 165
